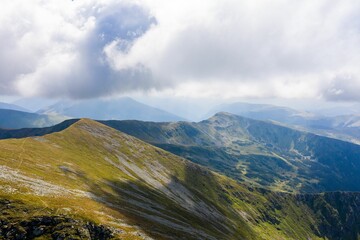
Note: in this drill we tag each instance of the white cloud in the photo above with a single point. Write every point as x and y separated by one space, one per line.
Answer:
229 48
57 48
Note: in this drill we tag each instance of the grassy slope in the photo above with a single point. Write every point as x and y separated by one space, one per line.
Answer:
91 171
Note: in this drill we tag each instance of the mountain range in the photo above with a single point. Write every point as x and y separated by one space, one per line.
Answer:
90 181
16 117
344 127
10 106
257 152
119 109
13 119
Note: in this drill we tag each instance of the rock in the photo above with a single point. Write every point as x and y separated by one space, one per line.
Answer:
38 231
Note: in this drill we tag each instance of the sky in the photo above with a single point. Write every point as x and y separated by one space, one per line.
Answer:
219 49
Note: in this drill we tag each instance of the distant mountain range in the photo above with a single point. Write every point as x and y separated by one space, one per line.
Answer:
10 119
119 109
10 106
344 127
89 181
13 116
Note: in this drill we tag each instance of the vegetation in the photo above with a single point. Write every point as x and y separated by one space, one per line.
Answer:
92 175
262 154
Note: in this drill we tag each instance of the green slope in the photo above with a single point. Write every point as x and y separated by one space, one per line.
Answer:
259 153
90 176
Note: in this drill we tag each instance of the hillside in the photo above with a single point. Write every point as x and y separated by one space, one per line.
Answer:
12 119
256 152
90 180
344 127
118 109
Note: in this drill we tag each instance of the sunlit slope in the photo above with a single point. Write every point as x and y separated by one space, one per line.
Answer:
94 173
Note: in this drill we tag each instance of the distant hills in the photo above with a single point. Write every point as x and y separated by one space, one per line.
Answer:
11 119
119 109
32 132
344 127
15 117
257 152
90 181
10 106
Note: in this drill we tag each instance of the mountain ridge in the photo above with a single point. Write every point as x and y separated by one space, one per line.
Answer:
92 171
13 119
117 109
330 126
245 149
11 106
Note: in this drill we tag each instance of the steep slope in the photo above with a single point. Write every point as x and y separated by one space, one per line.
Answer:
119 109
90 174
257 152
11 119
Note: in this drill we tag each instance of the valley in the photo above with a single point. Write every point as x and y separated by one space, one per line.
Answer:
258 153
89 174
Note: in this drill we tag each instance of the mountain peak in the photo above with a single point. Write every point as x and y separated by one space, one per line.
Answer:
90 126
224 116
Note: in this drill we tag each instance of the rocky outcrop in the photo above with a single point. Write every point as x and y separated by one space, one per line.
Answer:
18 223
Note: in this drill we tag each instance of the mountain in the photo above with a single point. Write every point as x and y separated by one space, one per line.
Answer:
10 106
347 124
119 109
33 132
90 181
10 119
331 126
266 112
34 103
257 152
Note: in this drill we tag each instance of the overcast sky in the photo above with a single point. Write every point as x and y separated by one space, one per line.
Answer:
187 48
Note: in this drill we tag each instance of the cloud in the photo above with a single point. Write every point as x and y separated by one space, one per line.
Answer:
343 88
89 48
58 49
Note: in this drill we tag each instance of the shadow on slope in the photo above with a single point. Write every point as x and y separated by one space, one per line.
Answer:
214 216
258 152
177 210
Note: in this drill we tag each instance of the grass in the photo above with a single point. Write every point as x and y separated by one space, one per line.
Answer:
110 178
